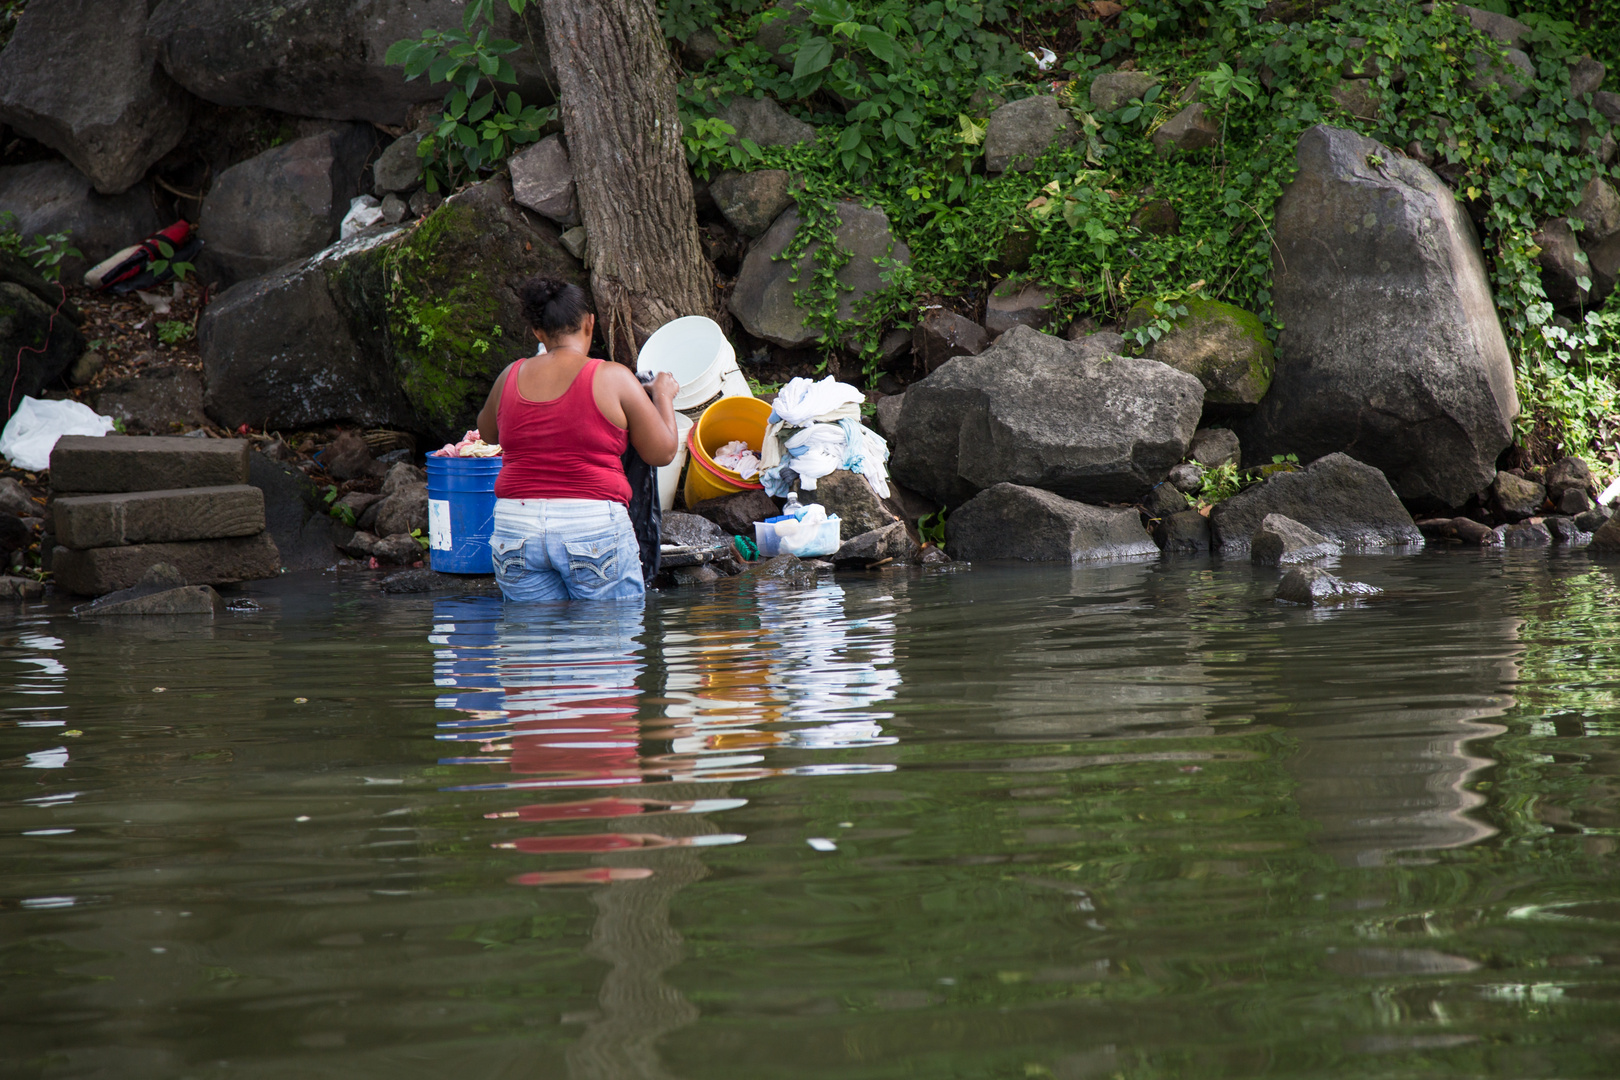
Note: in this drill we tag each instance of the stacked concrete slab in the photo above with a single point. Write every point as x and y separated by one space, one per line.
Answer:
121 505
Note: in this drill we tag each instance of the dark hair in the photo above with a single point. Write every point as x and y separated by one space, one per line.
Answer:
552 306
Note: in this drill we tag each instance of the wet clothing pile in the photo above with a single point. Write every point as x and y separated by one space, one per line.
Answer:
815 428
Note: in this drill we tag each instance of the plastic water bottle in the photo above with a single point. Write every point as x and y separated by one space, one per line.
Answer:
793 507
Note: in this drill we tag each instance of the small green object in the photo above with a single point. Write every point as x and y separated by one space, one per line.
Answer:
745 547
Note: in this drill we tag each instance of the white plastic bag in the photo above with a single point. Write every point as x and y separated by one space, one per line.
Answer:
364 212
33 429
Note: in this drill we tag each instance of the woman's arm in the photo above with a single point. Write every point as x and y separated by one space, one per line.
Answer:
651 421
487 429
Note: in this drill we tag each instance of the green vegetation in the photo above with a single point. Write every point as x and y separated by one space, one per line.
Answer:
44 253
900 93
1226 480
482 124
173 331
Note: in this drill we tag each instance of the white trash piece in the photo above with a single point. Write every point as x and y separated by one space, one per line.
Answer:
813 534
1610 493
694 349
32 431
364 212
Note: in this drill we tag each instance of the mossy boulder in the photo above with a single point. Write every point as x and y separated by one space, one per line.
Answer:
399 327
1223 346
452 311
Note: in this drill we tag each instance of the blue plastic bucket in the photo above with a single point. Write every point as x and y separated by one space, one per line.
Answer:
461 514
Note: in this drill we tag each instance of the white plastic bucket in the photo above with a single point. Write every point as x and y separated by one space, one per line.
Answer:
669 476
696 352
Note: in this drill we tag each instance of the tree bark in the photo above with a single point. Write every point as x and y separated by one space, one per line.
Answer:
617 91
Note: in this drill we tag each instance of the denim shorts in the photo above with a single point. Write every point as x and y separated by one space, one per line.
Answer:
566 549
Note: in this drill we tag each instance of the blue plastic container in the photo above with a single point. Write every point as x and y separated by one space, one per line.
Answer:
461 514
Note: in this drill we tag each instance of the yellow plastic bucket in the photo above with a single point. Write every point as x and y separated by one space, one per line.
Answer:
731 419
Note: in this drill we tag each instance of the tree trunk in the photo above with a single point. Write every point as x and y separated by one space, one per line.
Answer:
617 91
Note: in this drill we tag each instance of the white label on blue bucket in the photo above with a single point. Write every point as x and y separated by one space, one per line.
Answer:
439 524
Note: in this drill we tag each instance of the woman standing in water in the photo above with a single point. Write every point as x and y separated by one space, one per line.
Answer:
562 419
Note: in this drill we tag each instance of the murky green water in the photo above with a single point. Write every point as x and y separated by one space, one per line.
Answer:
1131 821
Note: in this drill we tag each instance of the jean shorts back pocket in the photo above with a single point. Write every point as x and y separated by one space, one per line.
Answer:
510 559
594 561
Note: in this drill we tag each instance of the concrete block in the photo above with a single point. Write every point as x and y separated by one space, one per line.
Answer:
109 463
200 562
150 517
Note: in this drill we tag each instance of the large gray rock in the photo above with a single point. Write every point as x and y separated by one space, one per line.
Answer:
765 123
543 181
1586 76
942 335
1513 74
1222 346
292 349
764 299
1311 587
399 167
1514 498
1391 349
1033 409
1010 521
324 58
403 511
1563 264
1598 211
36 347
883 546
735 515
282 205
751 201
335 338
158 401
1013 305
1193 128
48 197
82 78
1505 29
851 498
1021 131
1282 540
295 513
1337 496
1214 447
1115 89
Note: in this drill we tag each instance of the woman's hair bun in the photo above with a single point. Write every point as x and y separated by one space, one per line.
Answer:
553 306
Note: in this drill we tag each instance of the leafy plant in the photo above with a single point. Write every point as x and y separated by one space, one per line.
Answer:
173 331
478 130
421 541
709 147
44 252
167 261
1221 483
931 527
343 513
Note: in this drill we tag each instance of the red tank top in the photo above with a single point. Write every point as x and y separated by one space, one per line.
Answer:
559 449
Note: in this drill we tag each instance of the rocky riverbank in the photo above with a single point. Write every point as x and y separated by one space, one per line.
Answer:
342 337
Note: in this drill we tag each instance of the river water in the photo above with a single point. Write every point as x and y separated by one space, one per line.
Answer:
1122 821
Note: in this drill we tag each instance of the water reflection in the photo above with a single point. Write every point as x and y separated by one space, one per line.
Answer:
568 699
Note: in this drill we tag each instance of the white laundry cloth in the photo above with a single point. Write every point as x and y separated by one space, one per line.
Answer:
803 402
